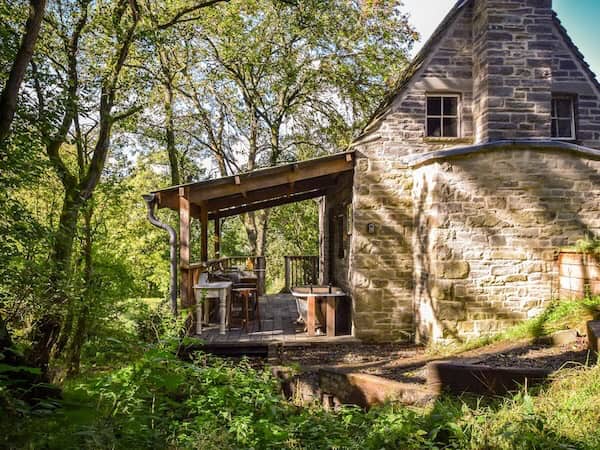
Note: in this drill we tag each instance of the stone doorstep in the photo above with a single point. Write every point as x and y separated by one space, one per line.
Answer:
459 378
367 390
593 335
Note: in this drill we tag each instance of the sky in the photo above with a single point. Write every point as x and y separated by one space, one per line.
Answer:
579 17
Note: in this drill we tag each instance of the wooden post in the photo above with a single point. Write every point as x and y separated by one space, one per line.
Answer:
184 247
310 315
331 316
217 238
204 231
260 269
288 281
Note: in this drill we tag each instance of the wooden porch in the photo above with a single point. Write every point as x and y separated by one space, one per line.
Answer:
213 200
279 314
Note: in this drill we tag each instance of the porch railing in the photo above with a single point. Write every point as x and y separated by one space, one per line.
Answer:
301 270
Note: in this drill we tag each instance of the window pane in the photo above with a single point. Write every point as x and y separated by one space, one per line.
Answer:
450 127
434 106
564 128
434 127
553 113
563 108
554 128
450 106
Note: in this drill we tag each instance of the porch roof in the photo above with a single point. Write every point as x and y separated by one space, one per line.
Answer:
259 189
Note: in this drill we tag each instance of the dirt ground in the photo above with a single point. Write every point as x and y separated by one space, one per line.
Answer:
542 356
407 363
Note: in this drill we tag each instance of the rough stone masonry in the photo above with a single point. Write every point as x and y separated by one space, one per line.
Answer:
464 230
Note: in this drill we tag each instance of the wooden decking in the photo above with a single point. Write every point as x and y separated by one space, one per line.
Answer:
278 313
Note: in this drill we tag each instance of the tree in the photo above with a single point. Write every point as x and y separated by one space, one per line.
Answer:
10 92
68 23
84 87
276 73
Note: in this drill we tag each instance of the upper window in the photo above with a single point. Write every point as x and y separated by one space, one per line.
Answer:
563 118
442 116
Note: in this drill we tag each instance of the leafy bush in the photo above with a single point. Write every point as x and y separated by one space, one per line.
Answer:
588 245
148 320
159 401
156 400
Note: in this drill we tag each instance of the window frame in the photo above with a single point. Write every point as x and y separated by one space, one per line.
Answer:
441 116
571 99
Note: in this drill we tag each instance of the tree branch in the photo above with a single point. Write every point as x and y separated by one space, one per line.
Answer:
177 18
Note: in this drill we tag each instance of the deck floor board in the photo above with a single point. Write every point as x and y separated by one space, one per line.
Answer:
278 313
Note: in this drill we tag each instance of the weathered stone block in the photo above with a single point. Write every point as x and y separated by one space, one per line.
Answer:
452 269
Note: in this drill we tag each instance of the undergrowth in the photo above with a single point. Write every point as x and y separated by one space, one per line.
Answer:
156 400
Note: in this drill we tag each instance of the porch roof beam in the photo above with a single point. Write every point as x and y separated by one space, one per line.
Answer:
267 204
272 192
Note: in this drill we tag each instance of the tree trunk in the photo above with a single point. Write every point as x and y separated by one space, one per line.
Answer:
170 135
5 339
8 100
80 332
47 328
256 224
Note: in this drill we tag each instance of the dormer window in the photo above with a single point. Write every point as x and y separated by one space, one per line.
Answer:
563 118
442 116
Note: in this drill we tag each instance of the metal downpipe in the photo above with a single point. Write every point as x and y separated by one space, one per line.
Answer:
151 203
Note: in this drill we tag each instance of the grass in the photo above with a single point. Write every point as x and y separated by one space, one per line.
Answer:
560 315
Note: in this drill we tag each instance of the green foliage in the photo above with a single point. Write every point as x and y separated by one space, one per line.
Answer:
588 245
138 395
159 401
294 230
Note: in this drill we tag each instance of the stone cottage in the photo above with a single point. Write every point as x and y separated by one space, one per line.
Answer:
474 171
444 218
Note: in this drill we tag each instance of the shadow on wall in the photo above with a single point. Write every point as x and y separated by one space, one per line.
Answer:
470 247
381 267
502 217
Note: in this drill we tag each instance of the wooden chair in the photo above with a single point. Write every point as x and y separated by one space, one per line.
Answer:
244 299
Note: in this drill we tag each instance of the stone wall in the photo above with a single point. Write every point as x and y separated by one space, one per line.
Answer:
489 229
571 78
447 69
467 246
381 256
512 42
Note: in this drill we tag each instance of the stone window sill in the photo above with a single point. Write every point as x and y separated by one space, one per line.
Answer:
448 140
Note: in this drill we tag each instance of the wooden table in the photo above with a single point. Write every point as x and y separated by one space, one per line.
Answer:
311 300
329 317
215 289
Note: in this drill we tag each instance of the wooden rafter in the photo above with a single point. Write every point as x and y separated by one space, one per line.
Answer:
267 204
